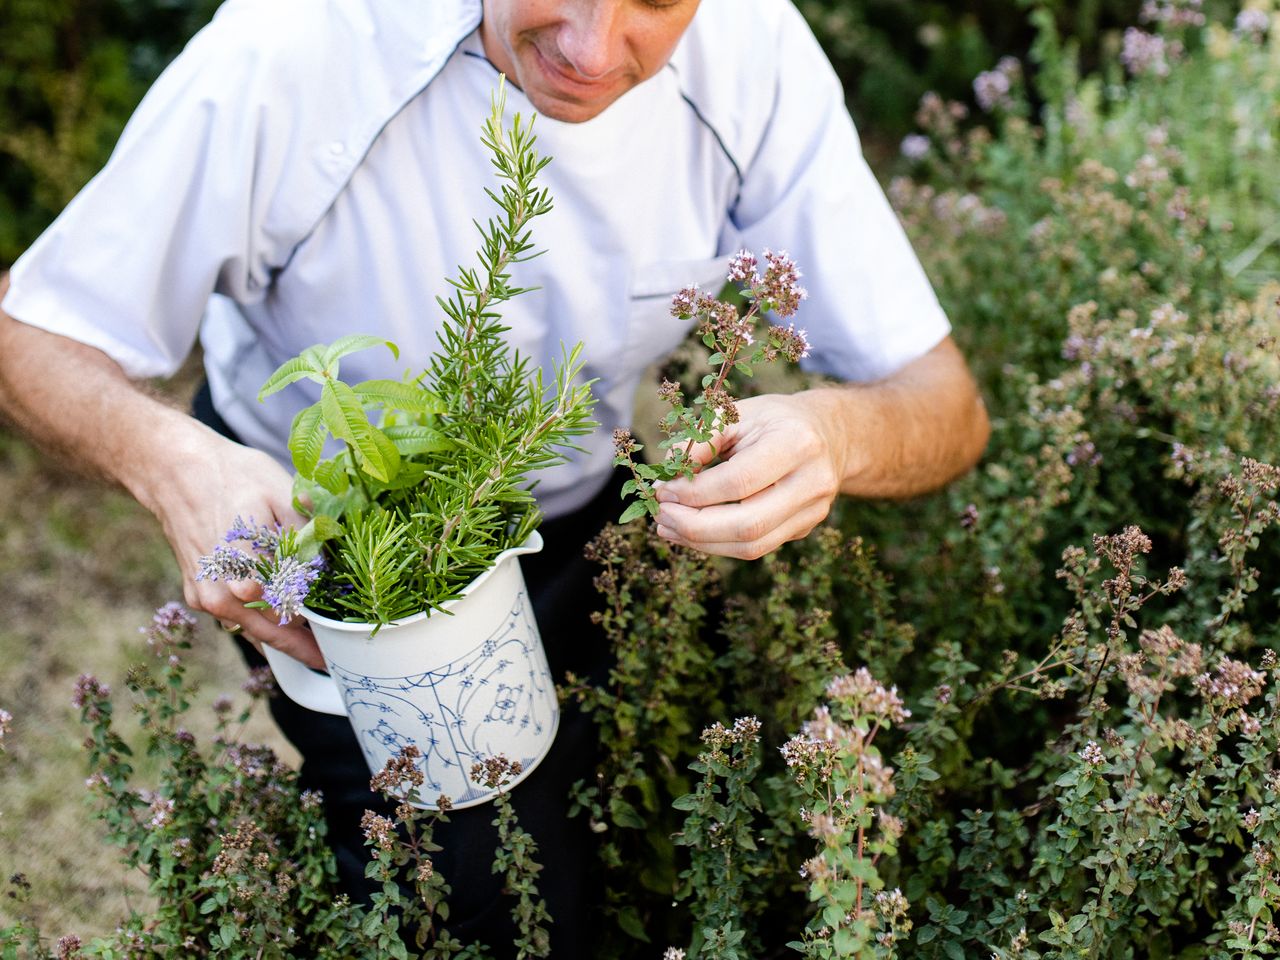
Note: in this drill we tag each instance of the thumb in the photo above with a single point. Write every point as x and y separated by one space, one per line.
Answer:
700 454
246 591
723 439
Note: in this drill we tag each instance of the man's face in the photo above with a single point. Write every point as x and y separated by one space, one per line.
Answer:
573 58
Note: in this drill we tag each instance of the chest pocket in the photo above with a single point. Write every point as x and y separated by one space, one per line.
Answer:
652 332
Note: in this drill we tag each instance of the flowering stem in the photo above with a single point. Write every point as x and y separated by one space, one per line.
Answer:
731 356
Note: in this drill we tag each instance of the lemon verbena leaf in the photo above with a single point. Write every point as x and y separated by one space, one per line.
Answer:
412 439
351 344
299 368
345 417
306 439
398 394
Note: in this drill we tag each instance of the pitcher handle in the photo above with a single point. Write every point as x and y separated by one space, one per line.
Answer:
304 686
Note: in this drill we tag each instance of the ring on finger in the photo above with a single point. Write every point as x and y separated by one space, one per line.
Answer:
230 627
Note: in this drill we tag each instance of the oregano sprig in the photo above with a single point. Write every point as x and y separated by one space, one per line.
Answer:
730 333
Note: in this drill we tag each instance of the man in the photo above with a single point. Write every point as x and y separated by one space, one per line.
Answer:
310 169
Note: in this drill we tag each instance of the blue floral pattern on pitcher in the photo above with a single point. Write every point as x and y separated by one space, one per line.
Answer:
485 702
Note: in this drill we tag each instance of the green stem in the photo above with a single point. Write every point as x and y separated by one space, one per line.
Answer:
355 467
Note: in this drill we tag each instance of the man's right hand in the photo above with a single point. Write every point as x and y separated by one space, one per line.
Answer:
76 402
215 482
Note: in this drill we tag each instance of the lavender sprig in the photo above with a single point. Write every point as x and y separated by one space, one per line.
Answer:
289 584
271 560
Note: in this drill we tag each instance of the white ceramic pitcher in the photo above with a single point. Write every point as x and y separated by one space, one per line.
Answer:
462 684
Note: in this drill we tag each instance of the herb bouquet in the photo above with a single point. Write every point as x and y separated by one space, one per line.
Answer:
431 483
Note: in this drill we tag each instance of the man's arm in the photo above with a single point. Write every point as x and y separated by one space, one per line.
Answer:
77 403
788 457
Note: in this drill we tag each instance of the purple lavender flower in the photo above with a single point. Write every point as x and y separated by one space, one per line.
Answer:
241 529
226 563
287 587
260 536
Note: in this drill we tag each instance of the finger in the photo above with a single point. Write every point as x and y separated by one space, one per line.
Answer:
294 638
733 480
796 528
699 454
749 520
246 591
703 453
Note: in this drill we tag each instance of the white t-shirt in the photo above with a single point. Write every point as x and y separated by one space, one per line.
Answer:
311 168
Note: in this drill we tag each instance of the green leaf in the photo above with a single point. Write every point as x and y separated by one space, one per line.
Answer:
411 439
390 455
332 475
315 532
636 509
402 396
631 924
306 439
409 475
345 417
625 815
352 344
299 368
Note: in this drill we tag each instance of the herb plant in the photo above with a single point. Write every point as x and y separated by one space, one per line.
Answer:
421 499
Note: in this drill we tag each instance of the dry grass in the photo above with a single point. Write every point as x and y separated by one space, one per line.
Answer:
83 567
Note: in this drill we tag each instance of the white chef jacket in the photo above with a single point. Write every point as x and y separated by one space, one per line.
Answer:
311 168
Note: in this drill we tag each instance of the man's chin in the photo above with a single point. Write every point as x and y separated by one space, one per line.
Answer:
565 110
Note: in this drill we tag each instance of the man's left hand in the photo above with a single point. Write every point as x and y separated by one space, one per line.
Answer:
788 456
782 467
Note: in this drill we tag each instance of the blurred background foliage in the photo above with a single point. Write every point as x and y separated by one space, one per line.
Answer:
71 72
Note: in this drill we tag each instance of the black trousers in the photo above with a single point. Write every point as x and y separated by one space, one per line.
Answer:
560 585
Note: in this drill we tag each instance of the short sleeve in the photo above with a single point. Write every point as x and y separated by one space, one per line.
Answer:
809 190
129 265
